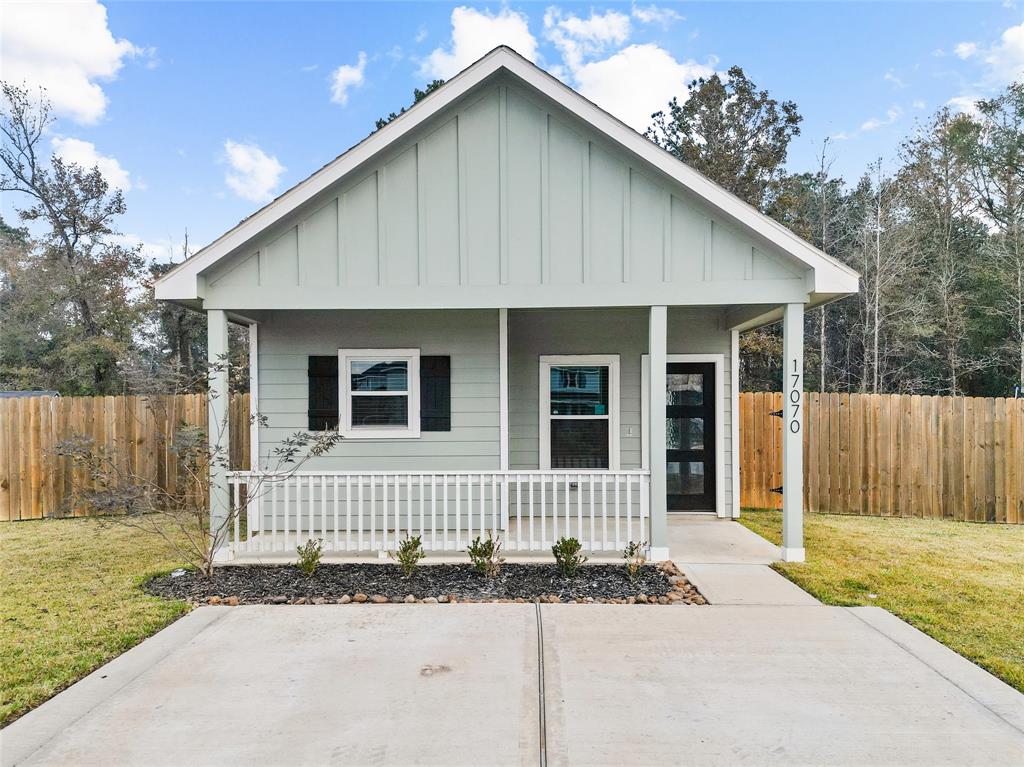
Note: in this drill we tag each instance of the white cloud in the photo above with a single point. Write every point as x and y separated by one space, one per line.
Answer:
421 34
965 50
892 77
66 48
474 33
918 104
1005 59
652 14
577 38
254 174
345 77
310 67
637 81
73 150
891 115
966 104
151 251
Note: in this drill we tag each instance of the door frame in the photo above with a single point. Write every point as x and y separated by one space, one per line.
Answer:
720 396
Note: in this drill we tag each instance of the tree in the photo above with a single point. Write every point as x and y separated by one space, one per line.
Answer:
731 132
91 279
417 96
992 146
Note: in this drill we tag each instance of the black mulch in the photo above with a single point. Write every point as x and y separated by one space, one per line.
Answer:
284 583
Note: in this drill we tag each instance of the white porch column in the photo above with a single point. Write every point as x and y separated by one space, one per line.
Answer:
503 461
657 346
218 425
792 433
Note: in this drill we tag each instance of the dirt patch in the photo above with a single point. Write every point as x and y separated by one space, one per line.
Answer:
380 583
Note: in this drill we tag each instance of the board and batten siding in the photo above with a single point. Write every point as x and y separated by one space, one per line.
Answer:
533 333
503 199
470 338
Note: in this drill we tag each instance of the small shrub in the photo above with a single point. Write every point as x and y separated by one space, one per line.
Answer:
486 555
635 558
309 556
410 552
567 556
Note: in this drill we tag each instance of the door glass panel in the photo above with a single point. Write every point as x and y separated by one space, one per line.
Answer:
579 443
579 390
380 375
684 433
685 389
685 478
380 411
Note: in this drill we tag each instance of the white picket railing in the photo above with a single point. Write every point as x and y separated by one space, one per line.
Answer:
361 512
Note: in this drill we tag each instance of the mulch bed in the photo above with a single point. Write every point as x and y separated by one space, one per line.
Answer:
380 583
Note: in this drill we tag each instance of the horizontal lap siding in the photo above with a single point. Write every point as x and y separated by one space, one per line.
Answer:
533 333
469 337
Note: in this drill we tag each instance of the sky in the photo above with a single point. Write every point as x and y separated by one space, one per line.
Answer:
203 112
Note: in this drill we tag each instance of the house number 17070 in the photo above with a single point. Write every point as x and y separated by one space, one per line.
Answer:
795 393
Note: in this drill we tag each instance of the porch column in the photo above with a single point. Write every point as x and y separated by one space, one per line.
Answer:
657 345
218 425
792 433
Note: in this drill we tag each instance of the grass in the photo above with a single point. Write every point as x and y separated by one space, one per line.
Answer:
961 583
70 601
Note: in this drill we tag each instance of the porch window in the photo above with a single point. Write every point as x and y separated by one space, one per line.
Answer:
579 417
379 393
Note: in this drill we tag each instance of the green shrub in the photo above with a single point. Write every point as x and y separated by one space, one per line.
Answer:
635 556
567 556
410 552
486 555
309 556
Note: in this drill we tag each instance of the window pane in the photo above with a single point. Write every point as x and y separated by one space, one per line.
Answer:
579 390
684 433
581 444
380 375
685 478
379 411
685 389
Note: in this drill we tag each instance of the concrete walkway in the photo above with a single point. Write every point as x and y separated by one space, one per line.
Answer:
765 675
460 685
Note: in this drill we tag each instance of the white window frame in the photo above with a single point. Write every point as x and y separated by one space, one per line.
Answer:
412 428
611 361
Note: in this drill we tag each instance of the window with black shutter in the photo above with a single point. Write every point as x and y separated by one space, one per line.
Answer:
323 393
435 393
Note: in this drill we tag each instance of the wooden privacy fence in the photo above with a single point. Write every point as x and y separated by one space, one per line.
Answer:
36 483
892 455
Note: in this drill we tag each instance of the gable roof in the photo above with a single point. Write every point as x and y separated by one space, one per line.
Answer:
831 277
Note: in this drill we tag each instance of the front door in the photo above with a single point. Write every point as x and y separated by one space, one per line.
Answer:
690 436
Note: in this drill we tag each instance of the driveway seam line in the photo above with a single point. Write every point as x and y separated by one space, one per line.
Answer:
541 710
921 660
175 649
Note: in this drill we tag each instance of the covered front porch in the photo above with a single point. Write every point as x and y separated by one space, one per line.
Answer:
551 419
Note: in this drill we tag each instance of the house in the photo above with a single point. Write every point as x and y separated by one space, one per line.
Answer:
522 316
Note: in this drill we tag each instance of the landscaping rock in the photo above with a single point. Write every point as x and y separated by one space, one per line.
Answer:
231 601
379 599
430 601
213 600
360 598
345 599
410 599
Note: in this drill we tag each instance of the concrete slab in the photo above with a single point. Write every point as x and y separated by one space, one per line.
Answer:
754 685
710 540
380 684
745 585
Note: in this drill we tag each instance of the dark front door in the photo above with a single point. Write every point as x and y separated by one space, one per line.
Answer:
690 436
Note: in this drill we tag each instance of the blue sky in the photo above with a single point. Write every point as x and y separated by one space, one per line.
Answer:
203 111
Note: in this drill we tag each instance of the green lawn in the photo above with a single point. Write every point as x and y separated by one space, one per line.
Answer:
70 601
960 582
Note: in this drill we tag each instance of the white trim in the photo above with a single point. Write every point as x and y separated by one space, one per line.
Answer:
503 389
254 397
720 397
412 428
793 554
734 344
829 276
611 361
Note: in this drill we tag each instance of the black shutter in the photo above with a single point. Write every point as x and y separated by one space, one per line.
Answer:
323 393
435 393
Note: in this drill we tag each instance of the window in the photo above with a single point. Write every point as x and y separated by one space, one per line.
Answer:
579 416
379 393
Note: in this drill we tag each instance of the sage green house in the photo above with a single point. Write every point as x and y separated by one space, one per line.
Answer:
522 316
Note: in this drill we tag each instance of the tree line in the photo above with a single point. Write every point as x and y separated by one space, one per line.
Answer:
936 235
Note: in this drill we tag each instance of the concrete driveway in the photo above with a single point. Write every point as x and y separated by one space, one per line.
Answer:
475 684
